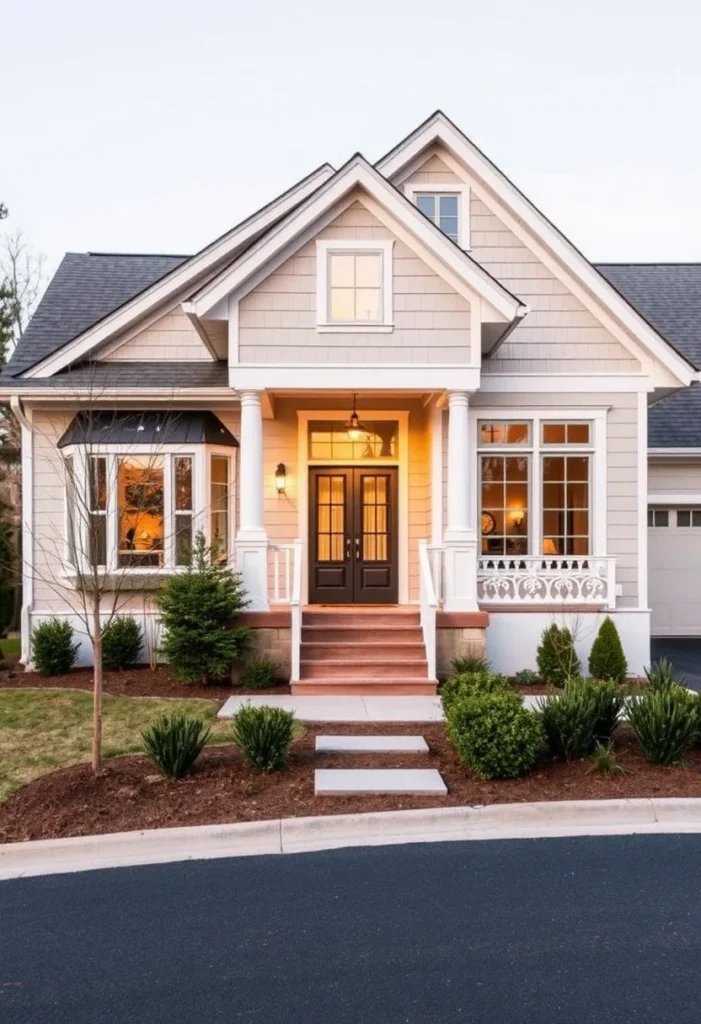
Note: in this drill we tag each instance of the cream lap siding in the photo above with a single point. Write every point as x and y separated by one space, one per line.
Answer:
171 338
675 477
277 320
558 335
433 170
621 463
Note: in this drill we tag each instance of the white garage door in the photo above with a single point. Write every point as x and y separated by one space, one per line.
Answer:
675 570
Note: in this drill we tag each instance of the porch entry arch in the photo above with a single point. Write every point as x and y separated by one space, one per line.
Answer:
400 466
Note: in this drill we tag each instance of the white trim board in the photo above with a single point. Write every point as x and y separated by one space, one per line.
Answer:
674 499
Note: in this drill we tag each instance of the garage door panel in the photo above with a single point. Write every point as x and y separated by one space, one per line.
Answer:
674 557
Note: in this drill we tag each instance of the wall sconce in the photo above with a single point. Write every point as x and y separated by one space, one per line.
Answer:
281 478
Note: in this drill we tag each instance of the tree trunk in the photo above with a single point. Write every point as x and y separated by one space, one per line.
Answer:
97 689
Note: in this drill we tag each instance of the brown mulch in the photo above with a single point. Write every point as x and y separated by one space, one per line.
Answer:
140 681
128 795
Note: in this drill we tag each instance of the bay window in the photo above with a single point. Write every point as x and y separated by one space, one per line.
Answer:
140 511
219 507
535 485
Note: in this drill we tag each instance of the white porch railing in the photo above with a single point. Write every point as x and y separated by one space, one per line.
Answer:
280 572
296 612
545 579
429 606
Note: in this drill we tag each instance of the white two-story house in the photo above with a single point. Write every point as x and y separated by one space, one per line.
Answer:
399 396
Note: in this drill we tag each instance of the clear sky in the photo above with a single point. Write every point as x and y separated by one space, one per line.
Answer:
142 126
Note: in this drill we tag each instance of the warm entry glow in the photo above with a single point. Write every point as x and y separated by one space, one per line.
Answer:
354 428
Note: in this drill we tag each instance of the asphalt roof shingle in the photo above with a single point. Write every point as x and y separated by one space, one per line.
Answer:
85 289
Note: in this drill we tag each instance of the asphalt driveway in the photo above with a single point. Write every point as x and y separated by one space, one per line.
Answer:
684 653
578 931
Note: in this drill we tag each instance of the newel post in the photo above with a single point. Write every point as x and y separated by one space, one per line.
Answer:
252 539
460 537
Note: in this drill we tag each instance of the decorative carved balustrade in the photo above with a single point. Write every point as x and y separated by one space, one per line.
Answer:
544 579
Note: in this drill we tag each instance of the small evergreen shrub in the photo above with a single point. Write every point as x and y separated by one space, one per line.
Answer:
665 721
556 657
53 650
585 712
197 609
173 743
263 735
494 734
603 760
121 643
526 677
606 659
261 673
466 683
661 675
470 663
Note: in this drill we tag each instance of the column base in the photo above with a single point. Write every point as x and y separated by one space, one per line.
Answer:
252 563
460 572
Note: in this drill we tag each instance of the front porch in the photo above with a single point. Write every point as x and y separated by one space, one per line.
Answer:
387 522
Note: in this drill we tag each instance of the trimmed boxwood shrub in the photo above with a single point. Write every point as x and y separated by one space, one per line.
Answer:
261 673
585 712
53 650
263 735
494 734
556 657
121 643
173 743
665 722
466 683
606 658
526 677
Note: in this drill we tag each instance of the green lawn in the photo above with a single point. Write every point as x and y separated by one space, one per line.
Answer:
45 729
10 648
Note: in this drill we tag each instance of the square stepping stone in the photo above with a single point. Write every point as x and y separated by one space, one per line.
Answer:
342 781
371 744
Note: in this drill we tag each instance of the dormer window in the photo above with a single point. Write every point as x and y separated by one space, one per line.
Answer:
446 204
442 209
354 286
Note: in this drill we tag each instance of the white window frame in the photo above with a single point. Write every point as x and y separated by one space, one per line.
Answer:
458 188
201 461
383 247
535 450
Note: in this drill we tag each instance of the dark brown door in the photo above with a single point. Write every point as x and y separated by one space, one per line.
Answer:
353 550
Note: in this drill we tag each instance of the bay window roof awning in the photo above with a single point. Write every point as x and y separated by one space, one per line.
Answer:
149 427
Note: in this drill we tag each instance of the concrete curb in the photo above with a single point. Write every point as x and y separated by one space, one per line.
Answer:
548 819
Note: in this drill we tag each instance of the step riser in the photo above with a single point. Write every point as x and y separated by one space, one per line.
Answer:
374 669
368 619
361 635
347 688
363 652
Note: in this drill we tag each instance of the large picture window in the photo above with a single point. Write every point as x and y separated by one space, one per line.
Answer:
141 511
535 487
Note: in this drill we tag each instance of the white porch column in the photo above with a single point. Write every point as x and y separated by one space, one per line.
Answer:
460 538
252 539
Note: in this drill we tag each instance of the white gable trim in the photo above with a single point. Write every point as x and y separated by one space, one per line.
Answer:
182 277
439 128
359 174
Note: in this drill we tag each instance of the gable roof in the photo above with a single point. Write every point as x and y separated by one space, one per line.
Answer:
357 173
439 128
87 287
192 270
675 422
668 295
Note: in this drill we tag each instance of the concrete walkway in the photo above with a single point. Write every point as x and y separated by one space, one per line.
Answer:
351 709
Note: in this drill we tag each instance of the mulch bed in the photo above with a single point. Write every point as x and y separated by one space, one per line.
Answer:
141 681
128 795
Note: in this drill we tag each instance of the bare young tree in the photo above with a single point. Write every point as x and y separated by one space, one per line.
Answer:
22 276
103 464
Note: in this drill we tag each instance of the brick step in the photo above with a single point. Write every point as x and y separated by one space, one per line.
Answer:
368 619
367 687
360 652
375 667
379 635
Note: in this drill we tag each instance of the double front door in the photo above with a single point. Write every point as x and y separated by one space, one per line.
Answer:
353 535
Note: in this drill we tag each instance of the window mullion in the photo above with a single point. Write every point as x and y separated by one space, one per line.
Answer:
112 513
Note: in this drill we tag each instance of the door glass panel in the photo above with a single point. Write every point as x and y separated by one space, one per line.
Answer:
375 509
330 530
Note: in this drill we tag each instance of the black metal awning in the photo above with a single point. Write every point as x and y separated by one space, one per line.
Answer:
149 427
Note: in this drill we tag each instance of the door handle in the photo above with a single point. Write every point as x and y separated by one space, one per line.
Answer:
357 548
348 549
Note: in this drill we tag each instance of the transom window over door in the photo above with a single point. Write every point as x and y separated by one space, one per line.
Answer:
536 481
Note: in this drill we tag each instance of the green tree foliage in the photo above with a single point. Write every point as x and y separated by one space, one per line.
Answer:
198 609
607 660
556 657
